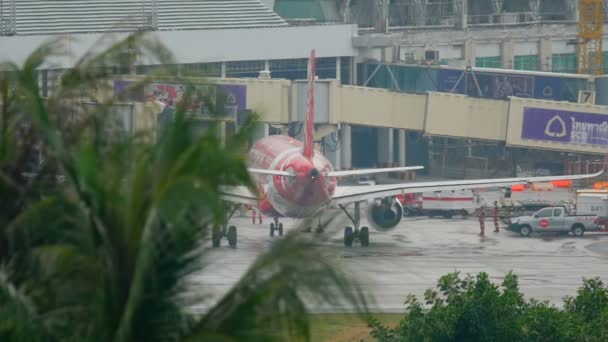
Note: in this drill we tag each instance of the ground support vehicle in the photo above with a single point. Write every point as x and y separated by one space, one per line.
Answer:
555 220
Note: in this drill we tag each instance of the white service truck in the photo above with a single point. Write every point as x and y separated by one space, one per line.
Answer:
592 202
555 220
443 203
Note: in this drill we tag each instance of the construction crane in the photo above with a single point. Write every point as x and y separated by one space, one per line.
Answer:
590 32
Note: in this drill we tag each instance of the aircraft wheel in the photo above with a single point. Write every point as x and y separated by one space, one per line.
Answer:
280 229
349 236
271 229
232 236
364 236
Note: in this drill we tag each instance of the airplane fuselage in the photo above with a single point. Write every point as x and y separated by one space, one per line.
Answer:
299 196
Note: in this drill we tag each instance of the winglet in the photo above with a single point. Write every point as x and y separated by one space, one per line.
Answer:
309 122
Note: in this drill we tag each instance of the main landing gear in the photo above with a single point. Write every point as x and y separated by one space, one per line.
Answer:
276 226
229 232
350 234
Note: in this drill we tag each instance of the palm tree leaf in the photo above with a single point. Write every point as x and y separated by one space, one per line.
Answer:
18 318
270 301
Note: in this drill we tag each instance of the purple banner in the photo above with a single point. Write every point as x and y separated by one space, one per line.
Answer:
230 97
564 126
234 98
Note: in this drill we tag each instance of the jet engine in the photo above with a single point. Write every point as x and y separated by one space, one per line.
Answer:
384 214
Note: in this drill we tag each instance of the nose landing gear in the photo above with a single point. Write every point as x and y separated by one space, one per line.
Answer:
350 234
276 226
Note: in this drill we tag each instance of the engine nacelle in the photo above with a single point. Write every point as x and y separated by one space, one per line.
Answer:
384 214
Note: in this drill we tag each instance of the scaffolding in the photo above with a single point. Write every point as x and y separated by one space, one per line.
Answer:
590 35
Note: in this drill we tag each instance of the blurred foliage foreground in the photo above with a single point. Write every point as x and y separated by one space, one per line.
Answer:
100 232
474 309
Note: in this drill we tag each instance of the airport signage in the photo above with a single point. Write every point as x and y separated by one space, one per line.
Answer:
232 98
565 126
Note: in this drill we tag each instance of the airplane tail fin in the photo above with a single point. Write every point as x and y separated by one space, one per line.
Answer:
309 122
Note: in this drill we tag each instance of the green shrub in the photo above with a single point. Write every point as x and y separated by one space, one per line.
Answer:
475 309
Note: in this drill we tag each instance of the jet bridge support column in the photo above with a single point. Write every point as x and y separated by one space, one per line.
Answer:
385 147
260 131
345 147
332 146
401 147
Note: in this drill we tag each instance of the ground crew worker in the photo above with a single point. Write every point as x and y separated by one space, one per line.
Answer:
254 215
496 225
482 219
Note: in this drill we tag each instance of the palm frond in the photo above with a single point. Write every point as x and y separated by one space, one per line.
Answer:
18 318
271 301
128 224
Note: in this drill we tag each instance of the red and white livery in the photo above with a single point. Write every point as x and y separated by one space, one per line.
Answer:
294 180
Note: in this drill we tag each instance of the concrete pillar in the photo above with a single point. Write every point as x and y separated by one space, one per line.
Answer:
223 70
545 53
222 132
338 68
464 16
420 10
388 54
353 71
44 82
469 52
402 147
385 146
261 130
507 53
346 157
331 150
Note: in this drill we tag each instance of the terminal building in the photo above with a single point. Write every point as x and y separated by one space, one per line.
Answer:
448 84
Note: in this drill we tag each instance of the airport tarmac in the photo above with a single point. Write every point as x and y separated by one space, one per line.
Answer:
412 257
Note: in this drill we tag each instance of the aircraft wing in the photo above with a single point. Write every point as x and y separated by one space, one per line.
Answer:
238 194
349 194
338 173
372 171
269 172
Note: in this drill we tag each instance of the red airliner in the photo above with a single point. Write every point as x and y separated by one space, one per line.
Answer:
294 180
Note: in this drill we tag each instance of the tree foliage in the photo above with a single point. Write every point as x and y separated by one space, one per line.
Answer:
98 242
475 309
